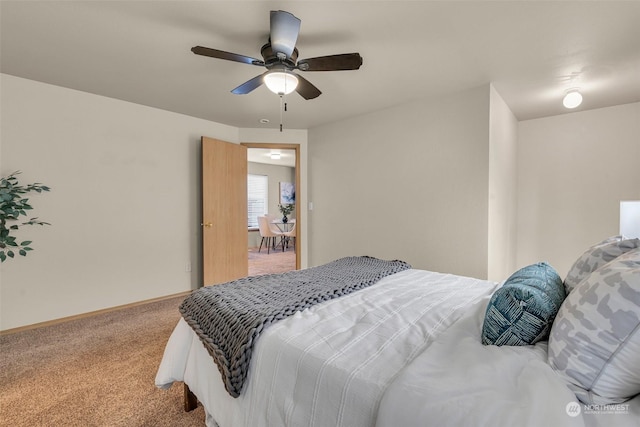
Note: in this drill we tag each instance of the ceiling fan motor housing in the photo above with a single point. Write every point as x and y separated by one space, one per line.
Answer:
271 58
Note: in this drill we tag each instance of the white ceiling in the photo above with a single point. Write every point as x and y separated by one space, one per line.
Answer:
139 51
263 155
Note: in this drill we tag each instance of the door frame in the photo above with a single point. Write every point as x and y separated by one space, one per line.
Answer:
296 148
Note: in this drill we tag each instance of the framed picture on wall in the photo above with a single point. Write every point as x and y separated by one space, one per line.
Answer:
287 193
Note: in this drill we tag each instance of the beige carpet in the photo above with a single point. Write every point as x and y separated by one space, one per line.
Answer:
97 371
100 370
276 261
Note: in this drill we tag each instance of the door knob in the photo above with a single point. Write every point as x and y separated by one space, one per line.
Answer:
207 224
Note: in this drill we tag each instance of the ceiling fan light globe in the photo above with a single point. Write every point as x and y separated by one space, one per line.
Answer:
572 99
281 83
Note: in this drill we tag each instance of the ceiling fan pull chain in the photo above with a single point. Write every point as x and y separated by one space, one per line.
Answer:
281 109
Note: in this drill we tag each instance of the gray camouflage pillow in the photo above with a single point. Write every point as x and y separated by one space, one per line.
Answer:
597 256
595 339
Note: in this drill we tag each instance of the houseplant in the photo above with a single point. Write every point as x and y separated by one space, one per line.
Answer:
286 210
13 204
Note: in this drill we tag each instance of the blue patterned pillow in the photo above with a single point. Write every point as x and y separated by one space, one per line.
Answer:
521 312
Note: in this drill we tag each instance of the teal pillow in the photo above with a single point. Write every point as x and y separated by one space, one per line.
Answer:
521 312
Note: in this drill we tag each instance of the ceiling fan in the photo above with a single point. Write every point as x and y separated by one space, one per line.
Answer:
280 58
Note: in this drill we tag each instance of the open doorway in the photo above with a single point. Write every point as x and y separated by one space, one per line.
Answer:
274 168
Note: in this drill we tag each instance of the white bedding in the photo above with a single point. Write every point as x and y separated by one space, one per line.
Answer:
381 355
457 381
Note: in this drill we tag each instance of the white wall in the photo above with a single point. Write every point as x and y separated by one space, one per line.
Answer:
573 171
125 202
123 207
427 182
503 140
409 182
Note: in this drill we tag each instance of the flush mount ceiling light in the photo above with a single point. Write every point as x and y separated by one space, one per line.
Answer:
280 82
572 99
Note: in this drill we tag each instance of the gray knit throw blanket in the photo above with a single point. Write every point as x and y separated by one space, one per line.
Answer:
229 317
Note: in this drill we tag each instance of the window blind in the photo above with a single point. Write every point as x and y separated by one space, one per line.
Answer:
257 186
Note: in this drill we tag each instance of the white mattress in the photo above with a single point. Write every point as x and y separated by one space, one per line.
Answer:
378 355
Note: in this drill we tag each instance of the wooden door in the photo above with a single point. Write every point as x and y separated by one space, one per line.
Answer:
224 211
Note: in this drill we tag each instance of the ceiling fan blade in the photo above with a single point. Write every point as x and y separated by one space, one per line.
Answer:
344 61
220 54
249 85
284 32
306 89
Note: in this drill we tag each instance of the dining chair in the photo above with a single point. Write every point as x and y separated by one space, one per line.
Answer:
277 226
272 220
267 232
291 234
272 217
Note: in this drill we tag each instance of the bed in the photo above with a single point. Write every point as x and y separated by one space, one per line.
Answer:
405 350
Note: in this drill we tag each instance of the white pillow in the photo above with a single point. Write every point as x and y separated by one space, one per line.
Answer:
597 256
595 339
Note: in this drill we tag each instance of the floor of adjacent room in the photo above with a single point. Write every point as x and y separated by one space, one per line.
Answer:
276 261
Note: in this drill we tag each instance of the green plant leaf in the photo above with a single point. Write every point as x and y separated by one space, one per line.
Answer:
12 206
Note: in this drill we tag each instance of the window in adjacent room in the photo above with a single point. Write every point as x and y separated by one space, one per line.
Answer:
257 203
